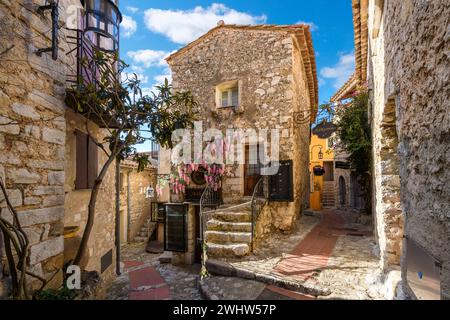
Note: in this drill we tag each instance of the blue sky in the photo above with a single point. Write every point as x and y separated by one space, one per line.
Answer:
153 29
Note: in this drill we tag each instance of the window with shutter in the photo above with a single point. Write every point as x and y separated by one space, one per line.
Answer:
86 161
282 183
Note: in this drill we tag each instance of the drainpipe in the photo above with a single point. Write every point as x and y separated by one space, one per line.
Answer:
117 231
128 206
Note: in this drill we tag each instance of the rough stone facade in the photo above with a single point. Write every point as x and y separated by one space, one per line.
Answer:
33 129
77 201
269 64
135 206
409 45
37 139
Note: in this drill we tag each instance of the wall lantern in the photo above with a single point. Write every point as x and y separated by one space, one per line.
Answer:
320 154
53 7
101 20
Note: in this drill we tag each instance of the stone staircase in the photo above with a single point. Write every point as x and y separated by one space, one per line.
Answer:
147 230
229 231
328 195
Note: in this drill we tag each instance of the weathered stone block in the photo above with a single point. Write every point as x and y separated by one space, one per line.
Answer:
8 126
10 159
47 101
23 176
48 190
14 196
40 216
29 201
56 178
33 131
46 164
25 111
50 201
46 249
54 136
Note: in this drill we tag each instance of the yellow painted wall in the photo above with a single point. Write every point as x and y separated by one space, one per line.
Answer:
316 145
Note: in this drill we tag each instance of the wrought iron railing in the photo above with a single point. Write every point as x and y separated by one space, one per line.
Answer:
87 70
210 201
259 199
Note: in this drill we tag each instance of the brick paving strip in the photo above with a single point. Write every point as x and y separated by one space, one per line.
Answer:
328 256
314 251
145 282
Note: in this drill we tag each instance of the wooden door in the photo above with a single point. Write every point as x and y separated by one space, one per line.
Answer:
251 172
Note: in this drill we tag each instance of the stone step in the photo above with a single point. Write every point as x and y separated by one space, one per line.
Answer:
216 225
140 239
221 237
227 216
227 250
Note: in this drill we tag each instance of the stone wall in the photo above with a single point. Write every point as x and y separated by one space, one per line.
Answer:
77 201
408 72
33 129
270 72
134 204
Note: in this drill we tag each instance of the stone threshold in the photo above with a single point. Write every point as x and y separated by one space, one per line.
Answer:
222 268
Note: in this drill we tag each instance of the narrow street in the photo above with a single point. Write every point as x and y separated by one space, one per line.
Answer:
329 256
145 278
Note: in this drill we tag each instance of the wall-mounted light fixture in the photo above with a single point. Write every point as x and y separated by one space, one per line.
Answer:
319 155
53 6
101 21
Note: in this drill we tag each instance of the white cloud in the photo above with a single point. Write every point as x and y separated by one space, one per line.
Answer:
183 27
321 81
340 72
312 26
161 78
129 26
132 9
148 58
130 75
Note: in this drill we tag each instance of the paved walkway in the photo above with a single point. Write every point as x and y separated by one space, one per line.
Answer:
145 278
329 255
314 251
145 282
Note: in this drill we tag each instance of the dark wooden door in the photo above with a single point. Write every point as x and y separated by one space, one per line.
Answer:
251 172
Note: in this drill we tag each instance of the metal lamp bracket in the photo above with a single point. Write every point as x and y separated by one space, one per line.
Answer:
53 6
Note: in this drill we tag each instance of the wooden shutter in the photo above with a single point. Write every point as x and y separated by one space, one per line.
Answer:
92 166
81 161
282 183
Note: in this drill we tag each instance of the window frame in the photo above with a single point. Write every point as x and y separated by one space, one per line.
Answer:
228 87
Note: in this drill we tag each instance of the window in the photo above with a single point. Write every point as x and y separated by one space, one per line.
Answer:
86 161
227 94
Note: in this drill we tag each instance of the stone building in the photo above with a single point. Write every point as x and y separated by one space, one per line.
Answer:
401 50
322 185
254 77
137 192
48 159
